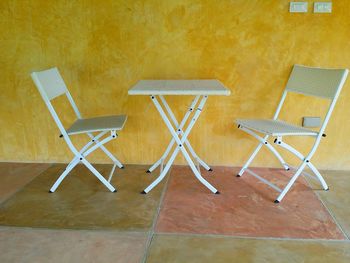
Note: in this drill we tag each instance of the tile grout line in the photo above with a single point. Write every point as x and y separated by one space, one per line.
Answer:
333 216
253 237
329 210
21 188
61 230
155 220
96 230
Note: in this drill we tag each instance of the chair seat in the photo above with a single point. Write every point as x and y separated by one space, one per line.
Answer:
105 123
275 127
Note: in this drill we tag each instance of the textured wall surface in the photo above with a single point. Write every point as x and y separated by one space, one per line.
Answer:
102 48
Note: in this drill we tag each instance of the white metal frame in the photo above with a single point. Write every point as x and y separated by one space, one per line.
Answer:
180 135
95 140
305 160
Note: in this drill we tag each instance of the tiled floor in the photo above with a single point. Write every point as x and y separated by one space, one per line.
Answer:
245 207
203 249
82 202
15 175
179 221
39 245
338 198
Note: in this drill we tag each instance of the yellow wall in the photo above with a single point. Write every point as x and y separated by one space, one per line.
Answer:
103 47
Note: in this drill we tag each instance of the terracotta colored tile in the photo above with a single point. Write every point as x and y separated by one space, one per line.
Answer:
201 249
82 202
13 176
337 199
244 208
25 245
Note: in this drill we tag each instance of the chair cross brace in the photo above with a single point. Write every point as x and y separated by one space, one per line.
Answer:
80 156
298 171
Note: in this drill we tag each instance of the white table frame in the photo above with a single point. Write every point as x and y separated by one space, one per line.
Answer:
181 143
180 132
201 89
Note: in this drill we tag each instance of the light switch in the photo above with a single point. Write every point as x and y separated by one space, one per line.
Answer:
323 7
298 7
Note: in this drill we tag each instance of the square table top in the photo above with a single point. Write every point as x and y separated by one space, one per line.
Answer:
179 87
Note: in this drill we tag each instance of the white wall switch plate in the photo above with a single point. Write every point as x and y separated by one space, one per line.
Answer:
298 7
323 7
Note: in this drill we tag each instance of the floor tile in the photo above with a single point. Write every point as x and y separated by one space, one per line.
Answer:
337 199
82 202
245 207
13 176
202 249
25 245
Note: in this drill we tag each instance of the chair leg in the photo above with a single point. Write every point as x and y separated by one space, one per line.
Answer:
72 162
69 168
116 162
80 156
104 149
319 176
291 182
263 141
111 173
251 158
98 175
302 157
113 158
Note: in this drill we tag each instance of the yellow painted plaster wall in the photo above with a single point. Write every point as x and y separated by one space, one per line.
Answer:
102 48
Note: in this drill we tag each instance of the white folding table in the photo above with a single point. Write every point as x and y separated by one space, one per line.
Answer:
201 89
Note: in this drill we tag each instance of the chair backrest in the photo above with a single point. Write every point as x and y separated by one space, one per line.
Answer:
319 82
49 83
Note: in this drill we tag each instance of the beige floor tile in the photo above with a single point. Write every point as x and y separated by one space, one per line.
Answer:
82 202
337 199
13 176
25 245
203 249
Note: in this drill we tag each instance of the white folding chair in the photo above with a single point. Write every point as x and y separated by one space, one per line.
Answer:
51 85
324 83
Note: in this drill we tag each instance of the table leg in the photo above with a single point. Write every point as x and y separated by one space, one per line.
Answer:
180 132
179 127
180 144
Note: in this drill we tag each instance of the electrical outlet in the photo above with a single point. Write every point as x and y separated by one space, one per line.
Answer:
311 122
323 7
298 7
